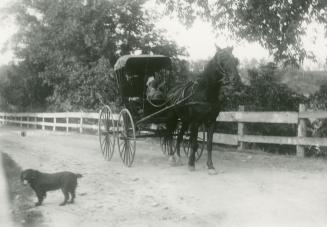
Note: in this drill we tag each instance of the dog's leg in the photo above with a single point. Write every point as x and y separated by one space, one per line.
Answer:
72 193
40 196
66 194
72 188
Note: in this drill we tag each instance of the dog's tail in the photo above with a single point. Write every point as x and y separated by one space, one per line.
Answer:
78 175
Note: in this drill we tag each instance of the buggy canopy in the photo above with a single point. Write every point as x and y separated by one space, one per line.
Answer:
137 62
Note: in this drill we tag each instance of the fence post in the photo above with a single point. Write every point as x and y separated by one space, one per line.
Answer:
240 130
35 121
81 123
67 124
54 123
301 132
21 122
43 121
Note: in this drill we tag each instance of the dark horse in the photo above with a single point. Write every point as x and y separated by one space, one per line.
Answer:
199 102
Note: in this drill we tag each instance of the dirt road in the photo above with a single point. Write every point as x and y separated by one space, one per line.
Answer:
251 189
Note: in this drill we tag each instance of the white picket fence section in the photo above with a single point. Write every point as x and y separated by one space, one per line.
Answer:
81 121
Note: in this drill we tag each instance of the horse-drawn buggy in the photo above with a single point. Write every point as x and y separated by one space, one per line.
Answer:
153 105
143 83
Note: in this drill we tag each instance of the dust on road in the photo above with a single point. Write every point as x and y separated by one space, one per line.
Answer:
251 189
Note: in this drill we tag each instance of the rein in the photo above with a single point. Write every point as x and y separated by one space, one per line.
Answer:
191 84
181 97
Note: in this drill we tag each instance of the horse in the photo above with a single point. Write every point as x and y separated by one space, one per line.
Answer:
199 102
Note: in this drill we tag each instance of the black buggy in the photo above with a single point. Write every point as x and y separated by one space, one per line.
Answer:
143 82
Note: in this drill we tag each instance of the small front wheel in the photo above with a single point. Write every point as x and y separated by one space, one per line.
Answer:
201 143
126 137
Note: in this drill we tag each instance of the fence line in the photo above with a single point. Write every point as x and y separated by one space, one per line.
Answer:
81 121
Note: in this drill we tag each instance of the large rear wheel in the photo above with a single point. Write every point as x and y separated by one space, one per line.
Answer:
126 137
106 131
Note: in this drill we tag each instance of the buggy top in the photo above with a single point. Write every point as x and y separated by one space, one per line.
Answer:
132 73
142 62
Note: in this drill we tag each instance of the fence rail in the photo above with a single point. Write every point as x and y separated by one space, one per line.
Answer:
81 121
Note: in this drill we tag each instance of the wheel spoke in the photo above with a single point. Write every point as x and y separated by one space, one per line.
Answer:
102 140
121 147
108 146
201 143
127 153
103 145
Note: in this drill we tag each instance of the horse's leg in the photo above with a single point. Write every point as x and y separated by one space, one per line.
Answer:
210 130
171 126
194 145
179 141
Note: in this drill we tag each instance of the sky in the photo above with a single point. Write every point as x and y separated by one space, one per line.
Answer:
199 40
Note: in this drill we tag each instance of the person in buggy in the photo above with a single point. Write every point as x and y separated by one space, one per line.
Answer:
154 88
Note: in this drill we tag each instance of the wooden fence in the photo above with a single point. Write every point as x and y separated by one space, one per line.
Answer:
81 121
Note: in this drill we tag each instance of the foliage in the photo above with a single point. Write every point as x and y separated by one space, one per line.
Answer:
277 25
69 47
318 100
318 127
19 93
267 92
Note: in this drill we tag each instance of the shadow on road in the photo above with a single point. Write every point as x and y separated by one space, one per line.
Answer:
20 196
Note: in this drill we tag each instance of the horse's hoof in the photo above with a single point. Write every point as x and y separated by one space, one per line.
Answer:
191 168
212 172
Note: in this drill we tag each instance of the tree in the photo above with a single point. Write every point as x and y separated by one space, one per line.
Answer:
19 93
268 93
278 25
71 46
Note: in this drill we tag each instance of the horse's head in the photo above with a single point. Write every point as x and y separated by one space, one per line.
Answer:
225 65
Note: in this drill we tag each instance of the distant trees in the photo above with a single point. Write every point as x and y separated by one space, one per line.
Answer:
66 50
267 92
278 25
21 90
318 100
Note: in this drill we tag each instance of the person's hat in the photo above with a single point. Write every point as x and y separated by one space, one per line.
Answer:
150 79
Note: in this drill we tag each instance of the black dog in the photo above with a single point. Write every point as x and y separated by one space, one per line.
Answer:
43 182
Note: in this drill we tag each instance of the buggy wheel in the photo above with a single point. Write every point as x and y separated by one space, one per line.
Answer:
168 148
106 131
163 146
126 137
201 143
